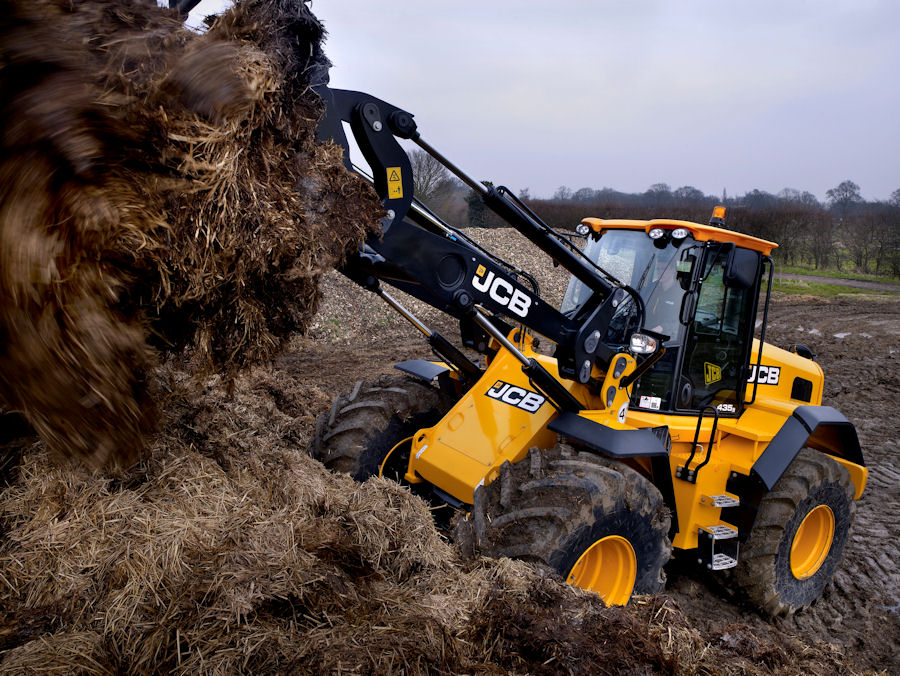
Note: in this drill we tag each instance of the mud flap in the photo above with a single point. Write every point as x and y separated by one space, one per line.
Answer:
612 442
426 370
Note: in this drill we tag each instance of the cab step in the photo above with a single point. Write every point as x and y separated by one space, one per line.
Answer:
717 546
721 531
722 561
723 500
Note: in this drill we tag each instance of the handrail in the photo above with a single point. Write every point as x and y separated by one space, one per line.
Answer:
686 473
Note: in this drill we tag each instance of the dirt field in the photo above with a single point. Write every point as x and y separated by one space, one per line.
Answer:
858 345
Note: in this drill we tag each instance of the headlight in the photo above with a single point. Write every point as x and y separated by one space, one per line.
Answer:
582 229
656 233
680 233
642 344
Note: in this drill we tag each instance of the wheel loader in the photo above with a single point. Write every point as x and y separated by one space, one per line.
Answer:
656 425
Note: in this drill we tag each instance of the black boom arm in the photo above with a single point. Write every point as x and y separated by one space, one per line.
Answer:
421 255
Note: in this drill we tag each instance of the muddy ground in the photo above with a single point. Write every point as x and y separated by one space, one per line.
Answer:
858 345
245 444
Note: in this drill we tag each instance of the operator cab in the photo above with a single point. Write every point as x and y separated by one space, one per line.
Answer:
699 288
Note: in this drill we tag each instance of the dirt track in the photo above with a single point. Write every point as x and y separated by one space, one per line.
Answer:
858 345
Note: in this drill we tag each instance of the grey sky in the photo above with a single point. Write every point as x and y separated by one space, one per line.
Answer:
732 94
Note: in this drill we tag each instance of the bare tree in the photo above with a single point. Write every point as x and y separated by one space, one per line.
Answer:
658 194
562 193
584 195
431 180
845 194
688 194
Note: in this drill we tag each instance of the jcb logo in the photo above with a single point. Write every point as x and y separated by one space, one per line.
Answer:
516 396
768 375
711 373
501 291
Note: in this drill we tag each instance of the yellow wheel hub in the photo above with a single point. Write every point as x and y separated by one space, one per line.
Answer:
812 542
609 568
397 446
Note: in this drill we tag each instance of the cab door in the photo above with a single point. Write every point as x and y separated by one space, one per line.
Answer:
718 339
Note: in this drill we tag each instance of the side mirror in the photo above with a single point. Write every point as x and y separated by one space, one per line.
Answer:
741 268
686 270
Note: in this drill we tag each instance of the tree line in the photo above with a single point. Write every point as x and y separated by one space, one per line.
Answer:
845 231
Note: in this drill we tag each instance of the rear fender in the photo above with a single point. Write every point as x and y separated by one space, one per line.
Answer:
820 427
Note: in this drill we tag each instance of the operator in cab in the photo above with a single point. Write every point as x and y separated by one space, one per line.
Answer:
663 307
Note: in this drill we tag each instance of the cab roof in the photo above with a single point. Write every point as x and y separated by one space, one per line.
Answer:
701 233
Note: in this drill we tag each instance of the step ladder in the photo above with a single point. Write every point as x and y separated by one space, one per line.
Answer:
717 545
721 501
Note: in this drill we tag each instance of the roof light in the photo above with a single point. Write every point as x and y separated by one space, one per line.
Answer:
718 216
680 233
656 233
582 229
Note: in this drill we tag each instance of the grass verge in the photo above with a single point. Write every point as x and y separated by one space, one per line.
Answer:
796 286
831 272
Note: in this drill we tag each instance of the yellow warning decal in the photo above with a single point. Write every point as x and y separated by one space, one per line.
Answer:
711 373
479 272
395 183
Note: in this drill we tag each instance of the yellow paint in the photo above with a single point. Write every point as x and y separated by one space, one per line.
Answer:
395 182
390 453
859 475
609 568
789 366
480 433
468 446
812 542
701 233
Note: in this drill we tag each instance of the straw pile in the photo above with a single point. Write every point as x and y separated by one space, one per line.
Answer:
160 190
228 550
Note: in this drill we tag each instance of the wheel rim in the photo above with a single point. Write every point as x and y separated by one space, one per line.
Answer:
812 542
608 567
386 463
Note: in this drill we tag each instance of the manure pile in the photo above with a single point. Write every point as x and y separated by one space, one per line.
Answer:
161 192
229 550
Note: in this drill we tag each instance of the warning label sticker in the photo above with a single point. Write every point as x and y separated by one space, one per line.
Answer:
395 183
650 402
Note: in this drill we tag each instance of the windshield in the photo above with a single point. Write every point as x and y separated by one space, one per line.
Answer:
654 268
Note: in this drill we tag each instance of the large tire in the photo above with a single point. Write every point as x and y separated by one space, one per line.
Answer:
554 505
765 574
364 424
